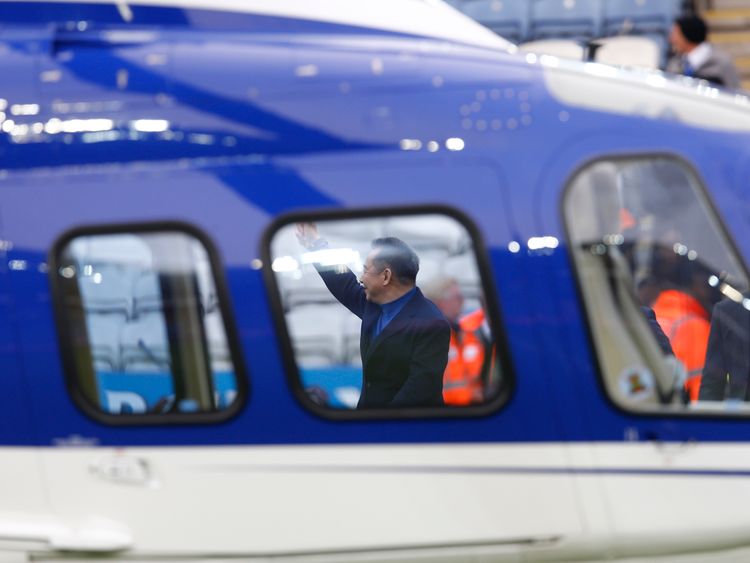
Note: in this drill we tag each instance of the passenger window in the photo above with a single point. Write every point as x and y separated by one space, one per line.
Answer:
143 327
664 291
365 335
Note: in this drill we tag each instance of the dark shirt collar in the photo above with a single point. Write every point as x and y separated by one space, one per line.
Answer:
392 308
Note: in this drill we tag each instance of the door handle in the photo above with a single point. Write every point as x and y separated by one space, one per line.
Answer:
123 469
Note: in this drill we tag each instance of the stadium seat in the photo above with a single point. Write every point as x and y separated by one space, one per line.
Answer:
628 50
580 19
639 16
563 48
507 18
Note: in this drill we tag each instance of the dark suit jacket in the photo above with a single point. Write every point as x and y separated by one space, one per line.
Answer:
661 338
728 353
718 68
404 365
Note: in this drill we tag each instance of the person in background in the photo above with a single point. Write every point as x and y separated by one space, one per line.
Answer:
686 324
404 337
462 381
726 374
478 336
694 56
680 296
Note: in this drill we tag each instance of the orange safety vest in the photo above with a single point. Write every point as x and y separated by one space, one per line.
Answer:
462 381
686 324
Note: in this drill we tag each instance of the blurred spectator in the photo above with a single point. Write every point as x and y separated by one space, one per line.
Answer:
462 381
727 370
679 293
480 352
694 56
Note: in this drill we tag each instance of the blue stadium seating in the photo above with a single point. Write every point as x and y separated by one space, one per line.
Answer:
507 18
640 16
565 18
579 20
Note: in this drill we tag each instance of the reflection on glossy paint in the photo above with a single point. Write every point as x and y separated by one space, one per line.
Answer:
538 243
24 109
103 136
410 144
125 12
455 144
122 78
150 125
55 125
201 139
50 76
306 71
86 107
156 59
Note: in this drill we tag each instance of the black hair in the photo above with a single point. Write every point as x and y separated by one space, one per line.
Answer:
693 28
395 254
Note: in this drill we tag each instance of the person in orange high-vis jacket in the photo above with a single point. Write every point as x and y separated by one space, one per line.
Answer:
480 354
462 382
686 323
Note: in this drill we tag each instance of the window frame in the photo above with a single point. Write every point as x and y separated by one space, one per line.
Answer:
494 315
663 410
62 323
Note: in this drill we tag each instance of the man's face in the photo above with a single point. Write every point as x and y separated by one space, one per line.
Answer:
372 279
451 303
679 44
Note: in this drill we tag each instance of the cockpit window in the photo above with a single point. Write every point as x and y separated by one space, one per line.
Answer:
143 326
387 315
665 293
